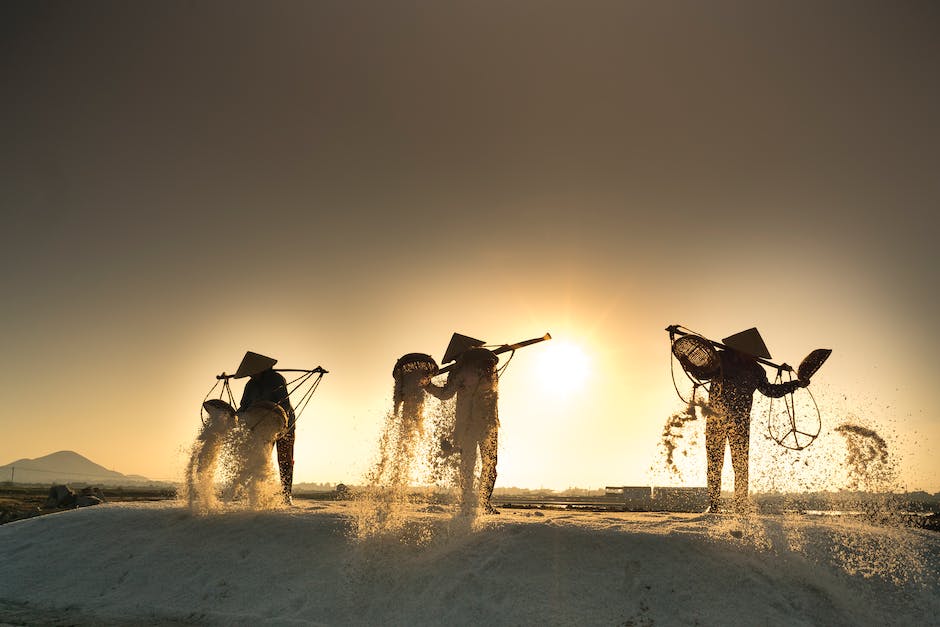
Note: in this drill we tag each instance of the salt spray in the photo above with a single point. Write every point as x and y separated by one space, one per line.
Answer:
415 468
854 475
234 452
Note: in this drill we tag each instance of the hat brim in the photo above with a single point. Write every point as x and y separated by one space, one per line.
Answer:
748 342
459 344
253 363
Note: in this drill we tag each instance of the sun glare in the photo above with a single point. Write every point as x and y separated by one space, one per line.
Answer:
563 367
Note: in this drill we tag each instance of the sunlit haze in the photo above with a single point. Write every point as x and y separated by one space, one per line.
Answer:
340 184
563 368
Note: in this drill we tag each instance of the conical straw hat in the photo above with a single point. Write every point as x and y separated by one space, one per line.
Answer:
458 344
253 363
749 342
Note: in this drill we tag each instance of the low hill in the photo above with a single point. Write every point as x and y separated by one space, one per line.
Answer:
65 467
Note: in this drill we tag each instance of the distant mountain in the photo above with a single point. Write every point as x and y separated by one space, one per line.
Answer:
65 467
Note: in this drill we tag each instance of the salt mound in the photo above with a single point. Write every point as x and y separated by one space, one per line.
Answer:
157 563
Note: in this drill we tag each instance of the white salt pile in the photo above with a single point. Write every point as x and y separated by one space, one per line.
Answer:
158 564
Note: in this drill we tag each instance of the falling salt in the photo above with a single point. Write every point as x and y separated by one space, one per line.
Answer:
237 455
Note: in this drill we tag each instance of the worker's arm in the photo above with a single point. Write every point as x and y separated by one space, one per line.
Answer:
447 391
776 390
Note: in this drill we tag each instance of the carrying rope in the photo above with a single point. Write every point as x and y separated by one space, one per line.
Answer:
696 383
790 406
300 381
305 398
226 388
501 370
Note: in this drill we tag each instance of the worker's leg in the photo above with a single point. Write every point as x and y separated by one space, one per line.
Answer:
715 437
739 439
285 462
488 448
468 460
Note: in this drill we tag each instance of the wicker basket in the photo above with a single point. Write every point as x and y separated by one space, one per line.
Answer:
697 356
812 363
413 362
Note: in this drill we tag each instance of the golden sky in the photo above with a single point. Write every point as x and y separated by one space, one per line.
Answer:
339 183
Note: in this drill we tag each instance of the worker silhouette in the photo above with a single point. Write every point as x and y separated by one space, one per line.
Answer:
729 419
474 381
266 384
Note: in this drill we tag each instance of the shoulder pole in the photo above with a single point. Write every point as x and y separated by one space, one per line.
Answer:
503 349
674 331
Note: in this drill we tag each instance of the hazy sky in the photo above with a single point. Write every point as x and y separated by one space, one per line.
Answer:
340 183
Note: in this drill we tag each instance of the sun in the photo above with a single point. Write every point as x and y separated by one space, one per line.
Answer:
563 367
